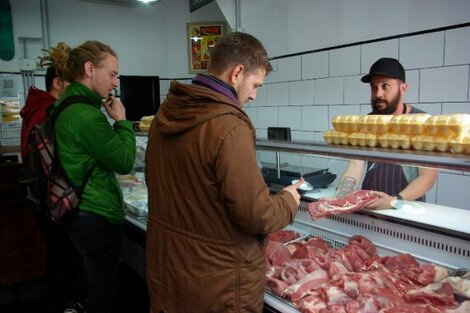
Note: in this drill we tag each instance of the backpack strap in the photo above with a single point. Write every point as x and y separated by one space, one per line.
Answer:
63 105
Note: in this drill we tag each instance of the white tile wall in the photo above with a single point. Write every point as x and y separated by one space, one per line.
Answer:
290 116
355 91
318 136
422 51
345 61
252 113
301 92
289 69
374 51
278 94
302 135
444 84
412 79
365 108
315 65
431 108
457 46
261 97
329 91
450 108
261 133
274 75
313 118
267 117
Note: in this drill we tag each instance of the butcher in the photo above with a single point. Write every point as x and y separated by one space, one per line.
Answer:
387 181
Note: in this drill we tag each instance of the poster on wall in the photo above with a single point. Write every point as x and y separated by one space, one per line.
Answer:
201 39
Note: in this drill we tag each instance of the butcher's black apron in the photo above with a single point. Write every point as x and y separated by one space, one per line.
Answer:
386 177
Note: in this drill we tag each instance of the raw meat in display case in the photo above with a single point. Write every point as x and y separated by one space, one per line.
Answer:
354 278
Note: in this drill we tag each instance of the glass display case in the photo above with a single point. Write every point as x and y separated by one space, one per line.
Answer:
433 232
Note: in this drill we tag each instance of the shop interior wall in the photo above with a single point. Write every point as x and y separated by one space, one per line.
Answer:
149 40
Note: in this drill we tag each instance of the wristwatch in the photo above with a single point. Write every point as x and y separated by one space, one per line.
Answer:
398 196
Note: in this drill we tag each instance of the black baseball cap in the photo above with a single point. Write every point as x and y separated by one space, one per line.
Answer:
385 66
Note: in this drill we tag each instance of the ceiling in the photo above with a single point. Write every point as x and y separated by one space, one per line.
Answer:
127 3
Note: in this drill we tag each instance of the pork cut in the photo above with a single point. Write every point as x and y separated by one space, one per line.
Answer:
310 281
283 236
348 204
277 253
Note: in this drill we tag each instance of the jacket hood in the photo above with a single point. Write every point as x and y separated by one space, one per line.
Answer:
187 106
34 112
36 101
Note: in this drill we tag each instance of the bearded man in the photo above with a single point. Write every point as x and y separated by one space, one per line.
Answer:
388 181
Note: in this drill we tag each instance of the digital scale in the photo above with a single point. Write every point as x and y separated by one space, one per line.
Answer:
317 178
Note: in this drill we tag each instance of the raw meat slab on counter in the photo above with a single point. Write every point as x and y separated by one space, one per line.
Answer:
318 278
283 236
348 204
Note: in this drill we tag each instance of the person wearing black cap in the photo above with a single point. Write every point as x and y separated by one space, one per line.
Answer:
388 181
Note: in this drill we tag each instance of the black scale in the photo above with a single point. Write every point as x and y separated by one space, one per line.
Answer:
318 178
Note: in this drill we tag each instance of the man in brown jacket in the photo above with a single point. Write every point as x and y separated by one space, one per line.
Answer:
209 207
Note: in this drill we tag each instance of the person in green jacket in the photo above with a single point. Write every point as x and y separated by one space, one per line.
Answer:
85 139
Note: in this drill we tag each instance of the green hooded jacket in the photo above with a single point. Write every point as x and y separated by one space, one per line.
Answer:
84 137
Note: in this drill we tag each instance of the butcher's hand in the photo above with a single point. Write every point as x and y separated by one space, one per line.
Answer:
114 108
292 189
383 202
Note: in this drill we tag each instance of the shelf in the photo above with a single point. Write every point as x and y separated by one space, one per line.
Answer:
444 160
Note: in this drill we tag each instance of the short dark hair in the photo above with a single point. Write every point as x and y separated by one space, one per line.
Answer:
50 75
238 48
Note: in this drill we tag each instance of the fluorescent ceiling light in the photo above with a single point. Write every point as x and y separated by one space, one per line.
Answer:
148 1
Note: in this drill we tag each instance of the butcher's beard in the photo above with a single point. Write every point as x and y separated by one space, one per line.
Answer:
390 108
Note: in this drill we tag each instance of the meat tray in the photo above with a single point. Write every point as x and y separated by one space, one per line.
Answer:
391 236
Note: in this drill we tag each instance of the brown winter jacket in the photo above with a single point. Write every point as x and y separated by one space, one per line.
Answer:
209 207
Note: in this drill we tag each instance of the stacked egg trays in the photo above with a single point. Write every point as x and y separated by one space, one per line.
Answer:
425 132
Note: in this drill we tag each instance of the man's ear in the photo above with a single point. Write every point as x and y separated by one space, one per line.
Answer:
88 67
236 74
403 88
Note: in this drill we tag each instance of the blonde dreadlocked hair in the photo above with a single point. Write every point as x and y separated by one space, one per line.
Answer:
57 58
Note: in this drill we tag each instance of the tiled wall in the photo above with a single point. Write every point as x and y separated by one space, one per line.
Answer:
305 91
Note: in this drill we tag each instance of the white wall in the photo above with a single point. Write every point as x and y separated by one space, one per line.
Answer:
149 40
289 26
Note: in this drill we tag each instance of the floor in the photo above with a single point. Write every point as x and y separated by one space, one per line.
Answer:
131 297
28 297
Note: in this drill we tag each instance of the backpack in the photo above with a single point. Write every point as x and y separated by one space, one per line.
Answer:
48 187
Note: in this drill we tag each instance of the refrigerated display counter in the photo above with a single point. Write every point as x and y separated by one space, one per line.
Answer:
431 233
